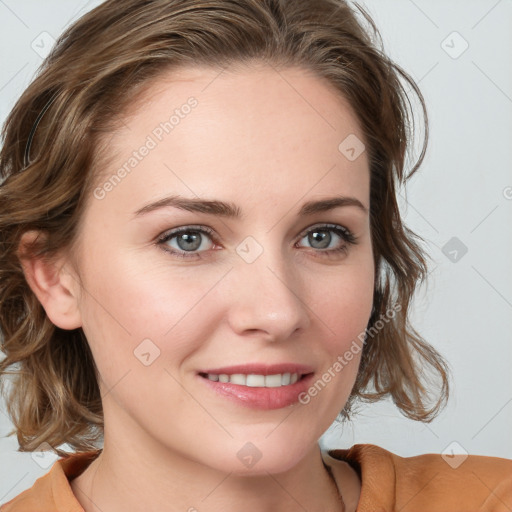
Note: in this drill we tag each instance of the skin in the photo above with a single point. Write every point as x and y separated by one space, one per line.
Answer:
268 142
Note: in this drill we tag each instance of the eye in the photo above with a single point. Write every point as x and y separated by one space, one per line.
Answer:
188 241
320 238
191 241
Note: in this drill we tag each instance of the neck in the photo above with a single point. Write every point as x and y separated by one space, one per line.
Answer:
126 479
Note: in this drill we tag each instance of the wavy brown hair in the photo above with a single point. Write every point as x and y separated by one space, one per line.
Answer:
52 147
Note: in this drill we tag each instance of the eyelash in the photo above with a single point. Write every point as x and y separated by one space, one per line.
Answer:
346 235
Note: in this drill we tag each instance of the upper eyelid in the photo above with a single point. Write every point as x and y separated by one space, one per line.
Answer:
326 225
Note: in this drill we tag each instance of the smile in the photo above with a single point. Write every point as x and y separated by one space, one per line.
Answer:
258 386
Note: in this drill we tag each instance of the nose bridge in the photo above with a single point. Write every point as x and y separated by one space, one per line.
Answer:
267 292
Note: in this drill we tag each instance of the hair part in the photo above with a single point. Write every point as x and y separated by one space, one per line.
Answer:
98 69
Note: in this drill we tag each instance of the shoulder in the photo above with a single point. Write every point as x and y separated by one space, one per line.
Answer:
428 482
53 491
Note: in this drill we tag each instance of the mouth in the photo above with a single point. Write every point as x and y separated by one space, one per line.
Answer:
258 386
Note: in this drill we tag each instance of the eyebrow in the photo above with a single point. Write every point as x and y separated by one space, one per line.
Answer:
231 210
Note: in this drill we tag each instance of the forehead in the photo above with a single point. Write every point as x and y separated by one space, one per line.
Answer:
204 130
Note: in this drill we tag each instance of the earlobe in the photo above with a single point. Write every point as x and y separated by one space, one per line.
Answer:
52 283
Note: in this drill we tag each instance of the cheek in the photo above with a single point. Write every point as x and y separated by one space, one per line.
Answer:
345 303
344 311
128 302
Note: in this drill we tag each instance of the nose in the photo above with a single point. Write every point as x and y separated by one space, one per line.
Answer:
268 299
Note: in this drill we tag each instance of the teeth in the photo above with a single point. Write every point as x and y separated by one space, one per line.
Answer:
256 381
238 378
273 381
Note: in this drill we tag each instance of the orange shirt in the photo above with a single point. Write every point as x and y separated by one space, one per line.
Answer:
425 483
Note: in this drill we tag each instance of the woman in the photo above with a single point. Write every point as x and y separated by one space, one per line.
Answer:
203 264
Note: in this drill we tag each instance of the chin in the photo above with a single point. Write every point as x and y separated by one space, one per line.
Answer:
260 455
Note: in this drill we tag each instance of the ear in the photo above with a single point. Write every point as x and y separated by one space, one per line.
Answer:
56 288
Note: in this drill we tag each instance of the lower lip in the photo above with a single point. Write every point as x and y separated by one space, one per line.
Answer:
260 398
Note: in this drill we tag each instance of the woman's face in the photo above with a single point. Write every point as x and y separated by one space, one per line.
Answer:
254 284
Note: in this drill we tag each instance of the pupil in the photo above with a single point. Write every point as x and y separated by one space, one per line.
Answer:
325 239
191 242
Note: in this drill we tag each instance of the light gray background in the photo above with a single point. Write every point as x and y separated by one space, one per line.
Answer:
464 190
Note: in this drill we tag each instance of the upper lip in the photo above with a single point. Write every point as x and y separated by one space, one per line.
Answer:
261 369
